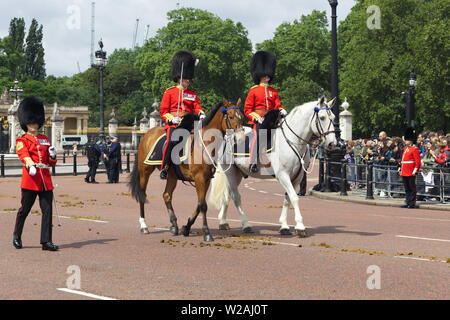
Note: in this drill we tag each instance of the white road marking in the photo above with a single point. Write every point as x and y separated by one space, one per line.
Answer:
419 238
262 191
278 194
253 189
420 259
416 218
81 293
83 219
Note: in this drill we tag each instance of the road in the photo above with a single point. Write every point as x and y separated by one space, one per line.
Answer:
405 253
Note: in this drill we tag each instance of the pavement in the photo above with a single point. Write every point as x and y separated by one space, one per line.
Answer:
358 197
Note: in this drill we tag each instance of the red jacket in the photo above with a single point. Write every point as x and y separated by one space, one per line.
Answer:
256 104
443 156
410 160
34 150
169 104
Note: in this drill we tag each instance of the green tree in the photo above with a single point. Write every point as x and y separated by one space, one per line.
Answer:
375 64
222 47
34 52
302 49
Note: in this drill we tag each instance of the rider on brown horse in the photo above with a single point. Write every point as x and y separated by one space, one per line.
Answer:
261 98
178 101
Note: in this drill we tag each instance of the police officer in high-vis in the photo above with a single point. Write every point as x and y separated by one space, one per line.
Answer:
410 166
178 101
37 154
261 98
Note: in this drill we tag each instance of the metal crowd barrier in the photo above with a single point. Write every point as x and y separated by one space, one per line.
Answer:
371 178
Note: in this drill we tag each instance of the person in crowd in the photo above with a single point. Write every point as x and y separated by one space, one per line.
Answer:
429 172
93 154
38 155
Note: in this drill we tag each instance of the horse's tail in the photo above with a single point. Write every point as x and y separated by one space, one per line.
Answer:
134 184
219 192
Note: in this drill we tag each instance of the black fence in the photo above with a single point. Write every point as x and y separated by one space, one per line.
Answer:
372 179
73 160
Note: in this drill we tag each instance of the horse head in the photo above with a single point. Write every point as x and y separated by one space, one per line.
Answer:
322 122
233 119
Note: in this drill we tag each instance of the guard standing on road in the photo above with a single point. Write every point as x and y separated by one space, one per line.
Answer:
410 166
178 101
261 98
105 150
114 160
93 153
36 152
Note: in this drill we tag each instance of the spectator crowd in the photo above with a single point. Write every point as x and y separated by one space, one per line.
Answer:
386 153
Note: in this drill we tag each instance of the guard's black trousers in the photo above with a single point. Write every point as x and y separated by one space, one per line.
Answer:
410 190
45 202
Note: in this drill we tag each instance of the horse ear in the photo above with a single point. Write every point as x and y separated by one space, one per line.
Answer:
331 102
321 100
238 103
225 102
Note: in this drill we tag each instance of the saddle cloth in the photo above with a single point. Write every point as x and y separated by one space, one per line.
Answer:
155 155
243 149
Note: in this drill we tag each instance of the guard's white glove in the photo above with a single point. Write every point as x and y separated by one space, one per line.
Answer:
32 170
52 152
283 113
202 116
260 120
414 171
176 120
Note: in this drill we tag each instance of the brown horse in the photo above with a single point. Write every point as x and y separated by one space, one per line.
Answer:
223 117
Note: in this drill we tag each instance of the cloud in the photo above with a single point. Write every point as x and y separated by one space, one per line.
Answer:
67 23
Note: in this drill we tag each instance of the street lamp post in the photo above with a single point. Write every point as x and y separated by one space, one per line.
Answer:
100 64
410 100
15 92
337 154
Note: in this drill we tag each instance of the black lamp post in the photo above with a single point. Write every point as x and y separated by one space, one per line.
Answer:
334 157
100 63
410 99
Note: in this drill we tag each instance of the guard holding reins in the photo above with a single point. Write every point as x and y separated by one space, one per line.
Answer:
261 98
38 156
178 101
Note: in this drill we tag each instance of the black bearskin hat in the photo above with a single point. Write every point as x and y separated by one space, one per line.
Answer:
410 135
188 60
263 64
31 110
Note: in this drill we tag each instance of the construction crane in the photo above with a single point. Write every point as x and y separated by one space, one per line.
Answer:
133 45
92 32
146 33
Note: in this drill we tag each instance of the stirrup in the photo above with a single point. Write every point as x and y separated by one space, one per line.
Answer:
254 168
163 174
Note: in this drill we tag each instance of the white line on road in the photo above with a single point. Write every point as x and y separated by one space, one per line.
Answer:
81 293
83 219
416 218
420 259
410 237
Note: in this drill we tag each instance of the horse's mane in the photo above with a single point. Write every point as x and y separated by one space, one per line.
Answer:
211 115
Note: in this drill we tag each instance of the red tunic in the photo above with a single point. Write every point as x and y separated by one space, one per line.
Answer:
256 104
34 150
410 160
169 104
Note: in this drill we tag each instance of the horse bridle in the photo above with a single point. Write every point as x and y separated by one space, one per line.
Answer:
227 120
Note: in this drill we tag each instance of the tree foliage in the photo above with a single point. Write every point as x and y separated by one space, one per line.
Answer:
221 46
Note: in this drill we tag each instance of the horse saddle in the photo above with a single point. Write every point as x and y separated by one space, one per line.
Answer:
266 141
155 155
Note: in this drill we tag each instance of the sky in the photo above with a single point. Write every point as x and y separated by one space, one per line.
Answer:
67 23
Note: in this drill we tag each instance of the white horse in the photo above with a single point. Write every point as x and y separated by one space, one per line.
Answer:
289 159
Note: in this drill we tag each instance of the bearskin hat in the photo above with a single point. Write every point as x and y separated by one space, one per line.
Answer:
186 59
263 64
410 134
31 110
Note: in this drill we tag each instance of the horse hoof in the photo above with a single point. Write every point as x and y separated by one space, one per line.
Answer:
208 238
184 231
224 226
174 231
248 230
301 233
144 231
285 232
